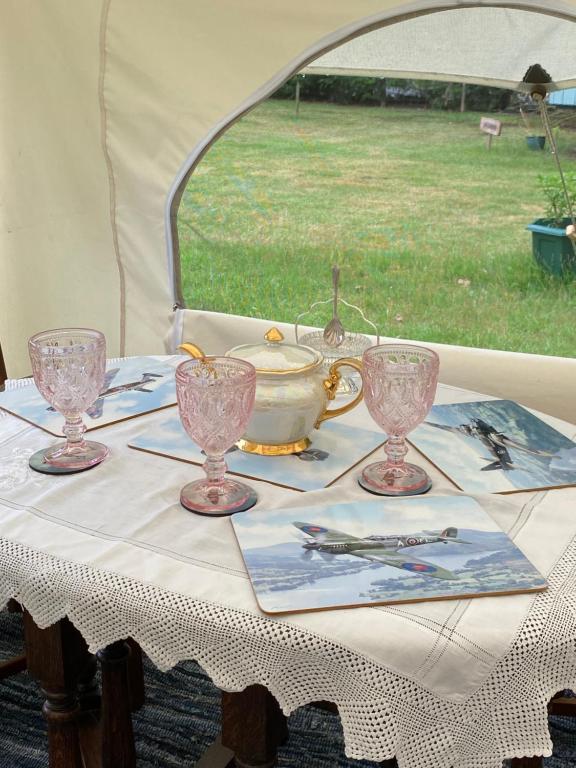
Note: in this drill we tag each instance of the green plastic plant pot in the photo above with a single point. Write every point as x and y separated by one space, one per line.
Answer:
536 142
552 250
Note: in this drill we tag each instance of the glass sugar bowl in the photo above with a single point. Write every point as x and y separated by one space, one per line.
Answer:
353 346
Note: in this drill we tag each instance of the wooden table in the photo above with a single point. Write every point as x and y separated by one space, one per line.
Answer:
252 725
92 729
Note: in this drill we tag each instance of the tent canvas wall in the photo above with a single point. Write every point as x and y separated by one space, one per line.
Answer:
106 108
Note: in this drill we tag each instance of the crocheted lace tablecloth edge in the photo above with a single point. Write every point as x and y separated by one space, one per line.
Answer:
383 714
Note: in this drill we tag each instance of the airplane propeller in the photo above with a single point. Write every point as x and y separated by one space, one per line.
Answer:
305 554
308 553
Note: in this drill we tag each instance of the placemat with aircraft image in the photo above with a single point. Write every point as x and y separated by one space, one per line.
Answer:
378 553
495 446
336 448
132 387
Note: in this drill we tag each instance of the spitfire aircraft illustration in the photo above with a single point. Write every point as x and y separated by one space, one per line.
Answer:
386 550
496 442
95 410
310 454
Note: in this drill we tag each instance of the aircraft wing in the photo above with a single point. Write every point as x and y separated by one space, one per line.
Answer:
505 466
109 378
404 561
510 442
95 410
324 534
445 427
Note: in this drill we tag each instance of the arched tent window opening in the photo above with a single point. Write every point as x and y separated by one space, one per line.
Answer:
404 236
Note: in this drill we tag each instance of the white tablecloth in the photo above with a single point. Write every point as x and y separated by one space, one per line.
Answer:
458 683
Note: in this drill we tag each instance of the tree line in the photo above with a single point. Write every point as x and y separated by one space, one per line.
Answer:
376 91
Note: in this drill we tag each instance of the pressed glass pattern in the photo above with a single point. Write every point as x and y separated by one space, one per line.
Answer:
69 365
399 387
215 400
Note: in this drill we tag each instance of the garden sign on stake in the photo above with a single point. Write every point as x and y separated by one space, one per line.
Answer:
491 128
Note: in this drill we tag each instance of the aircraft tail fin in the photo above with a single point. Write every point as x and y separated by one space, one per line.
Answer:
451 534
95 410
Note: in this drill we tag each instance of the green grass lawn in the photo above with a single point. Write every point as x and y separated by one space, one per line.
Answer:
426 224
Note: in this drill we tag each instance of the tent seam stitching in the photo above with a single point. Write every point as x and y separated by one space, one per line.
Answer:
110 170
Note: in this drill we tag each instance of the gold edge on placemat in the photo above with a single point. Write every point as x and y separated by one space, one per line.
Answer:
89 429
262 479
200 464
464 596
377 603
496 493
32 423
511 490
429 460
355 465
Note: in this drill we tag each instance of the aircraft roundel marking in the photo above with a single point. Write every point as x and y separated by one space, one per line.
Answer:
411 541
419 567
314 529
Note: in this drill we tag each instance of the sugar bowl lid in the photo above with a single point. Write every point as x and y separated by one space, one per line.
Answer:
275 356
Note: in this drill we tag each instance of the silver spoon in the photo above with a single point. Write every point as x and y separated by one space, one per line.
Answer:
334 332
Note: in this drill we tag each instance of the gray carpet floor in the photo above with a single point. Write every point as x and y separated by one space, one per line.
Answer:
180 720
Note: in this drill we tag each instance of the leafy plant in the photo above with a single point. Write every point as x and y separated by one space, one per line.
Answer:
558 207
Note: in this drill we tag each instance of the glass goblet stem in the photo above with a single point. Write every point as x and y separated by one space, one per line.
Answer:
215 468
396 449
73 430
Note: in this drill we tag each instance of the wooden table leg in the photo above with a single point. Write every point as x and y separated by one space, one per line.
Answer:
17 663
88 690
118 749
135 675
253 727
565 706
56 656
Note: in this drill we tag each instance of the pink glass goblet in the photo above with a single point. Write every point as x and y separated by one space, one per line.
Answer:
399 387
69 365
215 400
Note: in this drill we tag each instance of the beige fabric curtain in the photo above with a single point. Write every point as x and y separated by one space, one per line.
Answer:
105 106
464 45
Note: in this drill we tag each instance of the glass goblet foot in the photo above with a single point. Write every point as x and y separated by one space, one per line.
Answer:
62 459
385 480
225 498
